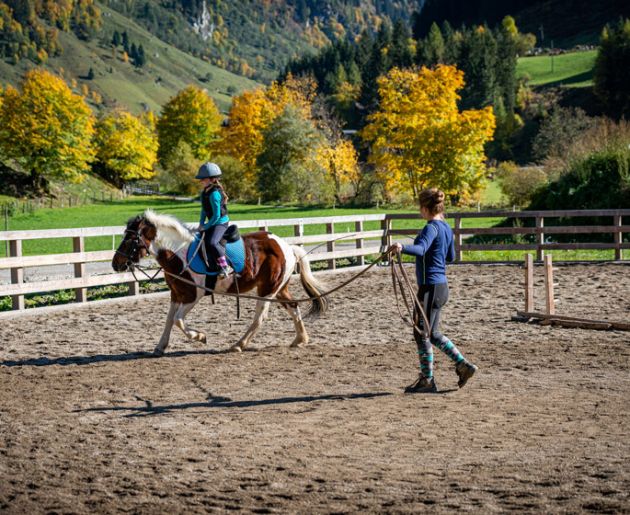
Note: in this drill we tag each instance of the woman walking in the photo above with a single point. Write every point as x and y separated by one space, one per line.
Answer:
433 248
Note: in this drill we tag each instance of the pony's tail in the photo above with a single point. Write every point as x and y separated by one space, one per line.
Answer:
312 287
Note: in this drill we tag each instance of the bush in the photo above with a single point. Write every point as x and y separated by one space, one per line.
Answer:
559 132
597 181
178 174
520 184
232 171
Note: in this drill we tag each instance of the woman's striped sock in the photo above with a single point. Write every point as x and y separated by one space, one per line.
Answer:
426 361
448 348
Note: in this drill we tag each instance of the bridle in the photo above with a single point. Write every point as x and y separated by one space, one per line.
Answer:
138 243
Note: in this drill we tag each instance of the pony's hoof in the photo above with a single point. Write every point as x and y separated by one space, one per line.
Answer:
158 352
236 348
202 338
298 344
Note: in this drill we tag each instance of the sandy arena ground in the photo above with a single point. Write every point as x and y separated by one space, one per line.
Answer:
90 423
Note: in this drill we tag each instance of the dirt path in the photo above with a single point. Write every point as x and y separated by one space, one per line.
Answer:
90 424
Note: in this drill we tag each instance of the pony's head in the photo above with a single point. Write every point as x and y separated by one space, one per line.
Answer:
135 245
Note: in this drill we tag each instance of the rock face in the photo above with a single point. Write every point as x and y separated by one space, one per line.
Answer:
203 24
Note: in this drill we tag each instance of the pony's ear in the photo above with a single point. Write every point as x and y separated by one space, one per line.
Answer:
149 231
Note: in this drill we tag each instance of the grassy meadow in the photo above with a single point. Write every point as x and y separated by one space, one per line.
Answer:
573 69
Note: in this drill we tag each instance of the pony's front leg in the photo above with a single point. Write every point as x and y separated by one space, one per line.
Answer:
262 308
166 334
180 314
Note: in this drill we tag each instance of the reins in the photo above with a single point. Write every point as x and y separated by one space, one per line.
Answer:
400 281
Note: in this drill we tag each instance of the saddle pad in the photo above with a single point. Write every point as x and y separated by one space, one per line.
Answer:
234 252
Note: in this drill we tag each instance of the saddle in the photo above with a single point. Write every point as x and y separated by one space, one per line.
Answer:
234 253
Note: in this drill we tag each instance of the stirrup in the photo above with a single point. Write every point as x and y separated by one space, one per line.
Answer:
225 272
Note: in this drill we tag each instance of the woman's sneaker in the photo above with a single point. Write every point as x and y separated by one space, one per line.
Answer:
422 385
464 371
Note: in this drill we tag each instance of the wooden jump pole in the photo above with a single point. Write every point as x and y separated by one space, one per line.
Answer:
529 283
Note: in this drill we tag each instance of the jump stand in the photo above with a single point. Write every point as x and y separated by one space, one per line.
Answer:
550 317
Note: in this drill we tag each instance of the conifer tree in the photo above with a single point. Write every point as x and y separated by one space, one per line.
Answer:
125 42
478 59
612 69
116 39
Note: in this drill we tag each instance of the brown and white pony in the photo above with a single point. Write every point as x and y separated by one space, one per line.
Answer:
269 264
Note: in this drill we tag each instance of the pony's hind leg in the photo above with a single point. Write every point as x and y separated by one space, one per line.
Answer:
301 336
262 308
166 334
180 314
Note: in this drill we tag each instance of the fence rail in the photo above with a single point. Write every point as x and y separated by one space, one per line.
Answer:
366 242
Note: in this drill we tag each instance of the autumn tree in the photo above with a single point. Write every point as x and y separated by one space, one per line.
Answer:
251 114
190 116
335 154
419 138
339 160
288 170
126 148
46 128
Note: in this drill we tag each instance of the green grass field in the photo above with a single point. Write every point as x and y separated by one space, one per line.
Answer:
571 70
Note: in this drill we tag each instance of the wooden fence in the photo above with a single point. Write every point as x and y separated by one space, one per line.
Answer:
358 244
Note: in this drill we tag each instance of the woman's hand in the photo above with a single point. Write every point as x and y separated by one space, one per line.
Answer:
396 248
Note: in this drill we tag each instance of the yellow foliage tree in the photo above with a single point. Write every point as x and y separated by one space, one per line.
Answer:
190 116
126 148
419 138
46 128
341 165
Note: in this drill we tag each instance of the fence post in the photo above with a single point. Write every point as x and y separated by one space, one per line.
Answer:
298 230
458 239
358 227
330 246
386 239
551 305
618 238
540 238
78 245
134 288
6 225
17 274
529 283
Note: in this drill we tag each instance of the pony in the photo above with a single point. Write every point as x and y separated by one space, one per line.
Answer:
268 266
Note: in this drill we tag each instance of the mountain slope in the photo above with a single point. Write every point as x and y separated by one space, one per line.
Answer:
257 38
120 83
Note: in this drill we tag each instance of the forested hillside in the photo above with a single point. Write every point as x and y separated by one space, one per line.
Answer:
257 38
86 56
560 23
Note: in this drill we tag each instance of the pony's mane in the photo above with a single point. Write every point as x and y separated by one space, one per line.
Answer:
171 232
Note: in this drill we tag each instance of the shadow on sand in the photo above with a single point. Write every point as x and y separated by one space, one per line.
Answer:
101 358
214 402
